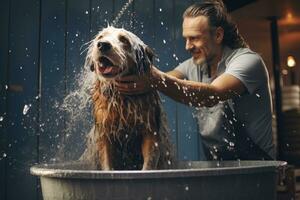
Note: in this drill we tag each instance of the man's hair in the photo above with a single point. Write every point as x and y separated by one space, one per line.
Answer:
218 16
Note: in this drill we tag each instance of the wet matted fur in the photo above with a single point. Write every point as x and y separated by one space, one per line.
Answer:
130 131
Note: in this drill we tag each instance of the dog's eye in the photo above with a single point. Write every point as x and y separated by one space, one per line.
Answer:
124 40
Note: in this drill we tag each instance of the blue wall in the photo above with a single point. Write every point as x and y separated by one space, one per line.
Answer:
39 59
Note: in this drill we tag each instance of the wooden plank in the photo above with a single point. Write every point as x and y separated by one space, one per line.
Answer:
189 144
4 21
52 78
23 89
143 21
101 15
163 43
77 34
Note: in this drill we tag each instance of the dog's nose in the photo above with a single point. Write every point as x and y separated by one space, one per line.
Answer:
104 46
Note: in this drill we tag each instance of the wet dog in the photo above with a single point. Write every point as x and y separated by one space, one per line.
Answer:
130 131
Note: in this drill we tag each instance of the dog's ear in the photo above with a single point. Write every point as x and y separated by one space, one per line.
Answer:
144 57
150 53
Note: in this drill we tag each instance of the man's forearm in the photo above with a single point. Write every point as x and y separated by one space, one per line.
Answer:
191 93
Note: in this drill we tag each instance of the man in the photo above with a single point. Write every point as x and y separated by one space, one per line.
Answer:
227 83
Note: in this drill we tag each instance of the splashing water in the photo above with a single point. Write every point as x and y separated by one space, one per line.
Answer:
76 110
26 108
120 14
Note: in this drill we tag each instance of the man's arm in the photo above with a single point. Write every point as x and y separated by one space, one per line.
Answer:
133 85
176 74
197 94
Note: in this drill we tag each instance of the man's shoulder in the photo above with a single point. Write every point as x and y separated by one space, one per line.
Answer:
187 62
244 55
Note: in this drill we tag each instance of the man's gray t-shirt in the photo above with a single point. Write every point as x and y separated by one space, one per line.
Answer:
254 108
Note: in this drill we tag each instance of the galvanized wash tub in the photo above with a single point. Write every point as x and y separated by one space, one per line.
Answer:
211 180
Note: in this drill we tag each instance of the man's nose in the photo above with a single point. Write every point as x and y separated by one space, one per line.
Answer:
188 45
104 46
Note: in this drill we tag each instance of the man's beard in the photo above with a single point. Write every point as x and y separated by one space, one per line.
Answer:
199 61
202 60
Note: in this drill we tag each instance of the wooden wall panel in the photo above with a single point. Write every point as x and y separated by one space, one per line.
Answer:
78 33
188 135
4 40
23 68
163 43
52 64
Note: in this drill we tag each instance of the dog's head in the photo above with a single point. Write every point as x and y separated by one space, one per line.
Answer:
116 52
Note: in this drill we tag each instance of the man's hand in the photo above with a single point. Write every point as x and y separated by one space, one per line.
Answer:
133 84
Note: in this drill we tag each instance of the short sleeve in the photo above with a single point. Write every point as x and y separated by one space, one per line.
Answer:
250 69
184 68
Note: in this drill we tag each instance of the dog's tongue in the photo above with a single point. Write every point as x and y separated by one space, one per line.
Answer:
108 70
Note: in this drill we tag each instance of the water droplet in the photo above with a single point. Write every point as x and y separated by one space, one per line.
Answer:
156 144
231 144
160 9
169 162
6 87
186 188
1 118
54 17
26 109
211 97
258 96
155 133
162 23
4 155
76 34
164 41
149 198
86 12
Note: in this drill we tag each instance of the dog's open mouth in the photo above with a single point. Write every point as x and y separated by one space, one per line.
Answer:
107 67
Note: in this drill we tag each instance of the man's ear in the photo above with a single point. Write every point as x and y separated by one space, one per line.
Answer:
219 35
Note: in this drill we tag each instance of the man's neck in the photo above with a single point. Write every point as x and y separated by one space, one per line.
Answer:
213 65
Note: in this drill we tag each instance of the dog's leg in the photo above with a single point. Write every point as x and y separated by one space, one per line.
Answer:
150 151
105 153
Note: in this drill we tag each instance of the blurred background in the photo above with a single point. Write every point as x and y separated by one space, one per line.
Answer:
42 55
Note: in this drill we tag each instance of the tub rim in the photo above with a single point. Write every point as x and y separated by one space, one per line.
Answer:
248 167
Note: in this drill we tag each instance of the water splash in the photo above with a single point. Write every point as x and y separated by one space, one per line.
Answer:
26 108
120 14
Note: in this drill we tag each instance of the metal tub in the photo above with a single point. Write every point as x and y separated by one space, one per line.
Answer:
211 180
